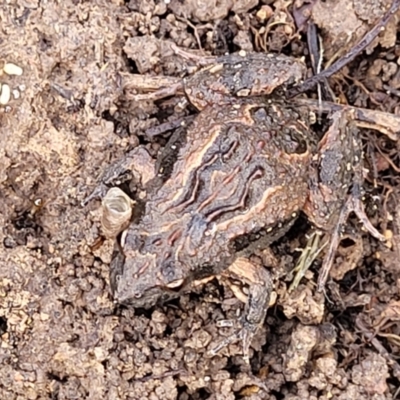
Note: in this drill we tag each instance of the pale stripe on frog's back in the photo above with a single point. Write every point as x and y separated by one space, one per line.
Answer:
191 156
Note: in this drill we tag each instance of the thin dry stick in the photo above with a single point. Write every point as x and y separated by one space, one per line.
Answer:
387 124
351 55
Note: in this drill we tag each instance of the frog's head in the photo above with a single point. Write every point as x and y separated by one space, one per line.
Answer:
143 272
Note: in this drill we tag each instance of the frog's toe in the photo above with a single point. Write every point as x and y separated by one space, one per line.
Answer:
245 333
353 204
257 301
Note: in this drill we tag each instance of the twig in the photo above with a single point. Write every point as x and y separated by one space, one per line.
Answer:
351 54
378 346
161 376
316 59
387 124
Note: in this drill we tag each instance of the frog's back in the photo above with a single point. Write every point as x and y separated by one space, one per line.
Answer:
243 169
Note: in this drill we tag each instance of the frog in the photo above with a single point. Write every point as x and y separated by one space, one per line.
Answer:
249 166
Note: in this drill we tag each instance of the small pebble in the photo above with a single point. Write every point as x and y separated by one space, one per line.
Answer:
5 94
12 69
264 13
388 236
16 94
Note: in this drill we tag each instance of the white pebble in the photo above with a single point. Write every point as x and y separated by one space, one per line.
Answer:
12 69
16 94
5 94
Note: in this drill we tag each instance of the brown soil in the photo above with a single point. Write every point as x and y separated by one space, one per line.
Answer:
62 337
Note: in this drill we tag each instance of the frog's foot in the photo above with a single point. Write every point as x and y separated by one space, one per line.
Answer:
245 333
155 87
353 204
137 165
260 289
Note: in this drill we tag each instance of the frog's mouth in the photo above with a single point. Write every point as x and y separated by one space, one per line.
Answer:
150 298
137 293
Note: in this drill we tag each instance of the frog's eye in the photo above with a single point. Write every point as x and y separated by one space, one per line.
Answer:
171 275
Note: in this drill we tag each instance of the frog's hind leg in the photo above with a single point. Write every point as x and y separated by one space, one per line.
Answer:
335 184
353 204
258 299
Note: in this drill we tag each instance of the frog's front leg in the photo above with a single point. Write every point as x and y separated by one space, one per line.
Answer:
258 299
137 165
136 170
335 184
